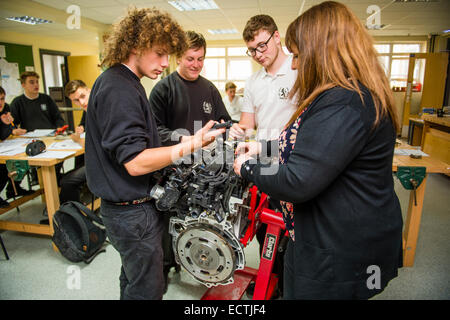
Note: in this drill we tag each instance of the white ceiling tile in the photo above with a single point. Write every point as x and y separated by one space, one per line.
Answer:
234 4
148 3
58 4
405 18
95 3
206 14
242 13
280 11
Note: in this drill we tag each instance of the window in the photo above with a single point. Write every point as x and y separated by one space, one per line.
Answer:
214 69
394 57
223 64
237 51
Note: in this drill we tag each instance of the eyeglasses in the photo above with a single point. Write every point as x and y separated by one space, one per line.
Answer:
262 47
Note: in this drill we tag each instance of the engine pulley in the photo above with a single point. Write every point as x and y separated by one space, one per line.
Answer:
206 255
209 254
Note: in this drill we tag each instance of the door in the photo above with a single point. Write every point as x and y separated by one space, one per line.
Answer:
55 76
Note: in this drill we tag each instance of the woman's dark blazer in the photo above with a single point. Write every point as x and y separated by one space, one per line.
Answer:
347 217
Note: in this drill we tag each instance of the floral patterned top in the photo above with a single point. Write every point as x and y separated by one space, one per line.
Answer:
286 143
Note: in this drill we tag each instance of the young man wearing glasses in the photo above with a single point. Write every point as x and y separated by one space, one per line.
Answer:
266 104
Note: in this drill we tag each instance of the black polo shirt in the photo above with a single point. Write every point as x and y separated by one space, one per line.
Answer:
119 126
39 113
181 104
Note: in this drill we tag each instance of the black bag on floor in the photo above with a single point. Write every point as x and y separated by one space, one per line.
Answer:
79 233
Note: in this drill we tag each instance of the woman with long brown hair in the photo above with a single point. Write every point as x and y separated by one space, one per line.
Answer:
334 177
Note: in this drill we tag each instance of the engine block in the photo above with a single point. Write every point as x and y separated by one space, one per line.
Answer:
210 204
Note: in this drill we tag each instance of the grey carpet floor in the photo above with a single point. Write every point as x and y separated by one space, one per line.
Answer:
35 271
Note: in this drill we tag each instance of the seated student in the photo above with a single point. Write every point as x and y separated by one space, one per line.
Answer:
33 110
78 92
6 129
232 102
73 181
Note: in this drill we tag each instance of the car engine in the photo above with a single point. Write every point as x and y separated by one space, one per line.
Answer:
210 206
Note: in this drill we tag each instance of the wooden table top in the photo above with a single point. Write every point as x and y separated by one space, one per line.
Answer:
443 121
433 165
41 162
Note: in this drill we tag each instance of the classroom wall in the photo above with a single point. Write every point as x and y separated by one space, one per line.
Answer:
83 68
399 97
83 51
39 42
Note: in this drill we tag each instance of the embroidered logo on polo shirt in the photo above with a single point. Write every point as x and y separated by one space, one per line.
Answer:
207 107
43 107
283 93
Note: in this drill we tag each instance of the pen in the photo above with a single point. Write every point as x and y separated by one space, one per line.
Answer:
12 122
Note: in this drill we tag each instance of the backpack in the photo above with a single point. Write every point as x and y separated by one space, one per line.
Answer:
79 234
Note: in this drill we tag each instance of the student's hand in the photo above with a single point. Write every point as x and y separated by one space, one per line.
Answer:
236 132
79 129
186 138
5 119
204 136
76 137
248 148
19 132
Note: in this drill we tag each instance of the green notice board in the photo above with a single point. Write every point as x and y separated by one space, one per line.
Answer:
14 59
19 53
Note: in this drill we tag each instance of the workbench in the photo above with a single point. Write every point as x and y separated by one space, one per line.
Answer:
414 213
49 188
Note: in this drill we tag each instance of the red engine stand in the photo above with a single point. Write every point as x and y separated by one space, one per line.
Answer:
265 280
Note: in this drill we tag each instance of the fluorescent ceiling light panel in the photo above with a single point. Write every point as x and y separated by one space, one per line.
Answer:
29 20
194 5
222 31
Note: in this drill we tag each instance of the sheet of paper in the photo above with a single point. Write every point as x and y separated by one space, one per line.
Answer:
50 154
407 152
12 152
10 77
68 144
39 133
12 147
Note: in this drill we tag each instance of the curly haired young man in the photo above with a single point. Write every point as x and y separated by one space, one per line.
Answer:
123 148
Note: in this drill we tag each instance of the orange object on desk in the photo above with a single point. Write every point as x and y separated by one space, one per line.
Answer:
61 130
